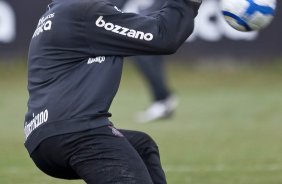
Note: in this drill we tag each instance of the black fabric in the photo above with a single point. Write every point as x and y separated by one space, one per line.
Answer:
63 127
76 55
101 156
149 152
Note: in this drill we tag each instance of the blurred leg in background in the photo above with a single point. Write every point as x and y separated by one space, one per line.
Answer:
163 101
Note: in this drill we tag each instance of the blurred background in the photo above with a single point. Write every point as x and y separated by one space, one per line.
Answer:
227 128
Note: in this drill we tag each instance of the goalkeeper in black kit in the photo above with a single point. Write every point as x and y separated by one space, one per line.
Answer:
74 69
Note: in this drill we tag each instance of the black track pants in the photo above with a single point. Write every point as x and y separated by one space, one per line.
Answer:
101 156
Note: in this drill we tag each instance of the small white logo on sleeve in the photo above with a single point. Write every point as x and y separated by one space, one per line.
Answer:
116 132
99 59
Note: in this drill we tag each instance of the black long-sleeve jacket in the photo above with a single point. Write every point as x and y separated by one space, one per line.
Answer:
76 55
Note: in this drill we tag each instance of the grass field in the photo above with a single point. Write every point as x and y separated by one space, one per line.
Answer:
227 129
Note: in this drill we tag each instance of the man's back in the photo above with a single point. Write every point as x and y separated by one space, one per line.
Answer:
66 79
75 60
74 69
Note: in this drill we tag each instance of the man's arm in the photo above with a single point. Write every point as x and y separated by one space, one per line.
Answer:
111 32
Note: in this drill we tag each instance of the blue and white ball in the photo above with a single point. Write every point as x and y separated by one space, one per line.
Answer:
248 15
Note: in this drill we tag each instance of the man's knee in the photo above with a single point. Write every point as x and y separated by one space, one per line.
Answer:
147 140
140 140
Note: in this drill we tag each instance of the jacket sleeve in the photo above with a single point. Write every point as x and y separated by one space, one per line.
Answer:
112 32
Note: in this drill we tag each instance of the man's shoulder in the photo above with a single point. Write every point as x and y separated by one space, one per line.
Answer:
86 5
85 2
74 8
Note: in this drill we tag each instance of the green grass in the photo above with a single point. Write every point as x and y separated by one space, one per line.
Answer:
227 129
